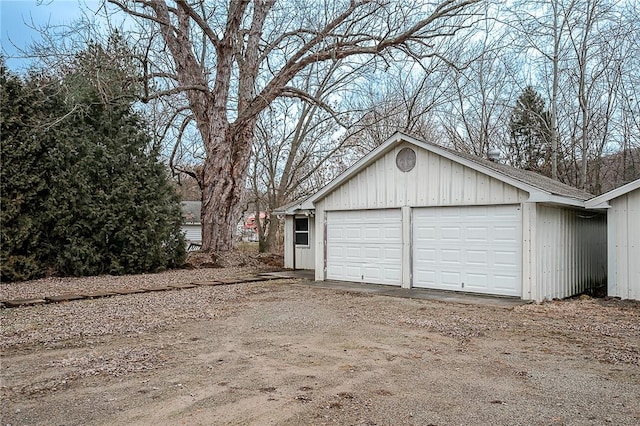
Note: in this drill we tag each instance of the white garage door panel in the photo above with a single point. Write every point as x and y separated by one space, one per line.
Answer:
474 249
477 257
365 246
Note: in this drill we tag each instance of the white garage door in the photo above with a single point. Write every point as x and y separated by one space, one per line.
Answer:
365 246
475 249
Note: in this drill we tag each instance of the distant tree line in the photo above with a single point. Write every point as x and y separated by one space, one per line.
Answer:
83 191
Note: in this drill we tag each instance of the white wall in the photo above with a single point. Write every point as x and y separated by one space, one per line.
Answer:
304 256
434 181
570 251
623 223
192 232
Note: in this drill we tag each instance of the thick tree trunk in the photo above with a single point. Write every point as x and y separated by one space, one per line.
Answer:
206 40
223 182
262 240
270 239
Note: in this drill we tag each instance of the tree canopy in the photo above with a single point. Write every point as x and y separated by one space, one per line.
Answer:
289 93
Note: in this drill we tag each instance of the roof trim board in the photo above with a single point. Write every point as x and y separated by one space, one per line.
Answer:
544 197
293 207
602 201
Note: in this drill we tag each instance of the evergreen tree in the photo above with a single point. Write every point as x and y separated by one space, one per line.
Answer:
83 192
529 126
26 168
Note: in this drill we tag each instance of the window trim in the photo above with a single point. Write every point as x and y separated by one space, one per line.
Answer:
296 232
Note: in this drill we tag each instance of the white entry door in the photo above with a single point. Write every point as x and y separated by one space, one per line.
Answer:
475 249
365 246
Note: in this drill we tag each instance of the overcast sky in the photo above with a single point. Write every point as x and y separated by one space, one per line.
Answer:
17 17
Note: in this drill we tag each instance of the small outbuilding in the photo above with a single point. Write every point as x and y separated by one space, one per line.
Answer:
623 239
191 222
415 214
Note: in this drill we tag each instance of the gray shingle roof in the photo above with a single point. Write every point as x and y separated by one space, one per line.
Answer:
525 176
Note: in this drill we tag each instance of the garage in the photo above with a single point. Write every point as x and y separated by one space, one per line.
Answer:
365 246
471 248
415 214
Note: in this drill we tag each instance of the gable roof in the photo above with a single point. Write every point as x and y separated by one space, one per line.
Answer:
540 188
602 201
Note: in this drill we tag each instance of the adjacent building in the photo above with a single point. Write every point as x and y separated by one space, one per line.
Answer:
623 239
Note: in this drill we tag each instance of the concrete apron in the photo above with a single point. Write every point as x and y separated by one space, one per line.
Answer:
412 293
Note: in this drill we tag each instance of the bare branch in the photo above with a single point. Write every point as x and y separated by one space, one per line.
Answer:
342 49
199 20
177 90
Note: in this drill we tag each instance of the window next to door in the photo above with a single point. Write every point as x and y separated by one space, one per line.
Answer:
302 231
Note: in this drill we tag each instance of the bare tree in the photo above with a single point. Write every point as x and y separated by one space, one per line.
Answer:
402 98
297 140
581 52
231 62
482 93
542 26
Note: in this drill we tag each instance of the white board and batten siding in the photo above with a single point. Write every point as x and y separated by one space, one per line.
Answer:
624 246
435 181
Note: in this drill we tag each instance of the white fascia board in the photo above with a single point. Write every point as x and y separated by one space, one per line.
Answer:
354 169
602 201
285 212
545 197
591 205
307 204
295 210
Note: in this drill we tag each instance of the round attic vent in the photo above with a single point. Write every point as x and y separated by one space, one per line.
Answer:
406 159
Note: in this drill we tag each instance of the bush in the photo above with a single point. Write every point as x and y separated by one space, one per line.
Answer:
83 192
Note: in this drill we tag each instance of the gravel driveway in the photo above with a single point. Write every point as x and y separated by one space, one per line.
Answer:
286 353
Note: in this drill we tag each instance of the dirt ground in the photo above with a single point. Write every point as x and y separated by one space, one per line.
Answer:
286 353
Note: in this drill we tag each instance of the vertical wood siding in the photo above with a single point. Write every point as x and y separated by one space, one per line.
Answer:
288 242
570 251
434 181
624 246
